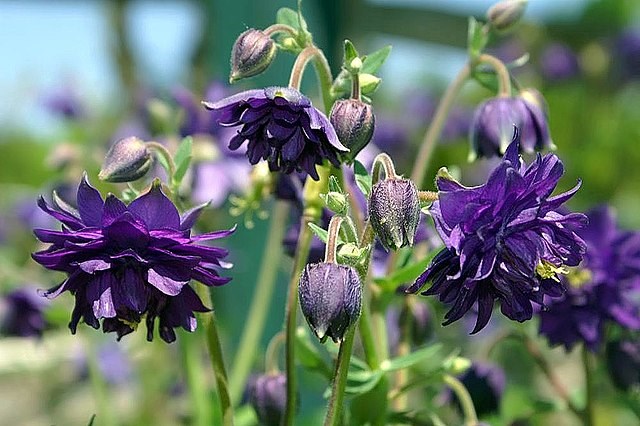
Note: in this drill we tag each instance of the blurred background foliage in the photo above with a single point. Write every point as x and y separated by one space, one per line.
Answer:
78 75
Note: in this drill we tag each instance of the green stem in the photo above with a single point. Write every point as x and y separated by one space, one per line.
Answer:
589 410
336 402
280 28
190 348
380 163
504 78
332 239
325 78
271 355
468 410
263 294
215 354
312 212
421 162
162 150
104 412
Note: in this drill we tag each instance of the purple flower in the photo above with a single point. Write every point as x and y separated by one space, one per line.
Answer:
129 262
601 290
281 126
493 123
558 62
505 240
65 103
22 313
627 53
485 383
268 396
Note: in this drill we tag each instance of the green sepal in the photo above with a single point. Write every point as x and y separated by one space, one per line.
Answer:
294 19
363 179
477 38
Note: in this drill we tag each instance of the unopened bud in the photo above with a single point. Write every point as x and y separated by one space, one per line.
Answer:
127 160
268 396
336 202
330 298
394 212
354 123
252 53
505 14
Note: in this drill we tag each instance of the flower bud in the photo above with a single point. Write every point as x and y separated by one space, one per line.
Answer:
330 298
268 396
127 160
505 14
394 212
492 127
336 202
354 123
252 53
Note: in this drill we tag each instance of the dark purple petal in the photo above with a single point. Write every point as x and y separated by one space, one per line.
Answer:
90 203
155 210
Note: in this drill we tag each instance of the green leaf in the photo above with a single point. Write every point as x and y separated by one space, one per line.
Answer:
411 359
364 384
477 38
404 275
334 185
163 162
92 420
363 180
182 159
350 52
370 408
288 16
309 356
320 233
373 61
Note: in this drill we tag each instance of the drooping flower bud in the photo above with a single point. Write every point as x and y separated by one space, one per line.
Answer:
330 298
127 160
252 53
394 212
354 123
506 13
268 396
492 127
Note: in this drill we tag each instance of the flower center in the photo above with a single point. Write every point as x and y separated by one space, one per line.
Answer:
578 277
546 270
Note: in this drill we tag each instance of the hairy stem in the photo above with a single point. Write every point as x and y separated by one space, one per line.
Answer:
263 294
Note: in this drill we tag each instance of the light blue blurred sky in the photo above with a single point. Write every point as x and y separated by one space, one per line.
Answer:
48 44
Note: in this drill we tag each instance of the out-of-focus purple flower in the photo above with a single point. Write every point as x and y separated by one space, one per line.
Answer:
603 288
390 135
420 110
485 383
419 318
22 313
505 240
495 121
558 62
65 103
129 262
196 120
623 363
281 126
627 53
113 363
268 396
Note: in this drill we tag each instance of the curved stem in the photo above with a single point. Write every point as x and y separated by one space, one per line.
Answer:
333 417
215 354
280 28
325 78
468 410
162 150
271 355
332 239
382 162
504 78
421 162
302 60
263 294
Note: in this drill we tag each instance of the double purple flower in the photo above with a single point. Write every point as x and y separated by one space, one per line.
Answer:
505 240
281 126
129 262
604 289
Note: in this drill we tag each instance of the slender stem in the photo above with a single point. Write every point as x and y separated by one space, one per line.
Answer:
589 410
162 150
104 412
271 355
435 128
468 410
302 60
380 163
190 348
280 28
215 353
504 78
325 78
263 294
555 381
336 402
332 239
355 85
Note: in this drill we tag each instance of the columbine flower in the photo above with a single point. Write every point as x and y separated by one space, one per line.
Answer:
505 240
493 123
280 126
558 62
394 212
601 290
22 313
268 396
129 262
